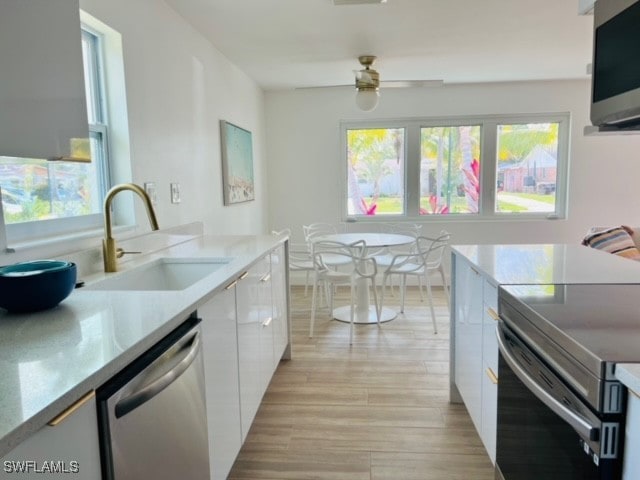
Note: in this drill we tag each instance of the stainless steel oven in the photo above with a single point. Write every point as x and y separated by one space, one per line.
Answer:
545 431
561 412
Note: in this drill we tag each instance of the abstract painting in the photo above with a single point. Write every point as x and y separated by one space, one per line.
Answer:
237 164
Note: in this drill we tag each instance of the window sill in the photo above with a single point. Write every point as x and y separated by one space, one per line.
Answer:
452 218
69 240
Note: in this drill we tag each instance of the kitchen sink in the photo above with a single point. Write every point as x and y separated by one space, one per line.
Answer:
162 274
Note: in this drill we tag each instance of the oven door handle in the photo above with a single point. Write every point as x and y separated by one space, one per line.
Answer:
577 422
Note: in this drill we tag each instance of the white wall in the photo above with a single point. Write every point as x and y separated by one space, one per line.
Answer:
178 88
305 166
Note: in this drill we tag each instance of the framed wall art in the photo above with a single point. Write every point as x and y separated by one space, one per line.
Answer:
237 164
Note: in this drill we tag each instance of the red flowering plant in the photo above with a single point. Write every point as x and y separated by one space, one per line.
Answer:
472 185
369 209
436 209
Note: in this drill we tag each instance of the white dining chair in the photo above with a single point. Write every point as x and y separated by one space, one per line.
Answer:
315 230
385 256
299 258
426 260
356 265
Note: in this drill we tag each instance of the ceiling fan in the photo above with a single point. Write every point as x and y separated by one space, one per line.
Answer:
368 84
366 73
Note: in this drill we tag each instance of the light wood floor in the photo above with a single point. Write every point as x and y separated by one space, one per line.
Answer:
376 410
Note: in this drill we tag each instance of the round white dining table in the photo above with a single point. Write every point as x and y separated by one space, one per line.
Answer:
364 311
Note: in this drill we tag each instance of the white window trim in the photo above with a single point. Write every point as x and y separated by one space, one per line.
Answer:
488 169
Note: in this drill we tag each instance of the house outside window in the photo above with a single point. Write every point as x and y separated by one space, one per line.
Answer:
494 167
41 198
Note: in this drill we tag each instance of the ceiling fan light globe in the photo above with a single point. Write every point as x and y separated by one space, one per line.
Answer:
367 99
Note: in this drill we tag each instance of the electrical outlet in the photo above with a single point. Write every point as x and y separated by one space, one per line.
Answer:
175 193
150 188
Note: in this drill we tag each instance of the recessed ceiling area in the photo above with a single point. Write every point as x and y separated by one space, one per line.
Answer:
286 44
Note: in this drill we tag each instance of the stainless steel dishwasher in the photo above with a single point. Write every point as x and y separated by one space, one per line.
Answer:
152 415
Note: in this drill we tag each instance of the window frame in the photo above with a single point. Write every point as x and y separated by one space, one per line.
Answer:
488 166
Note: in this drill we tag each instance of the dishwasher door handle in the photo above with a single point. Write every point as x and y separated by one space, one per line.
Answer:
146 393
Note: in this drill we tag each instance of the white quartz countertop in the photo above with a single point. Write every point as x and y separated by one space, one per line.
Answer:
48 360
549 263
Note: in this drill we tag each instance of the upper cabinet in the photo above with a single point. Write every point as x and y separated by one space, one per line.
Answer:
42 93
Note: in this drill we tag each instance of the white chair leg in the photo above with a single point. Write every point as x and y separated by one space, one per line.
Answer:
445 287
306 284
352 313
375 299
384 280
327 294
393 293
313 307
330 292
420 288
433 313
403 291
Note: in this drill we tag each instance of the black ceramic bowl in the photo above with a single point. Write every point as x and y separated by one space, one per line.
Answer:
37 285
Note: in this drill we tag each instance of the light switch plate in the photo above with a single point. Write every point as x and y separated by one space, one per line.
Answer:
175 193
150 188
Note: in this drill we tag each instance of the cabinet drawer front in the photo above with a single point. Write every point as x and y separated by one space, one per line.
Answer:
490 292
489 342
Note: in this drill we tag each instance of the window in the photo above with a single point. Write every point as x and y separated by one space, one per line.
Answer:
375 162
43 198
459 168
449 166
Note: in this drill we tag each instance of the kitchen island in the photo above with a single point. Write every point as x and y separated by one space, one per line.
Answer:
477 272
51 359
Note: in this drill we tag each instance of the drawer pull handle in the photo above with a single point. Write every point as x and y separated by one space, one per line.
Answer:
244 275
492 376
231 285
493 314
267 322
265 278
69 411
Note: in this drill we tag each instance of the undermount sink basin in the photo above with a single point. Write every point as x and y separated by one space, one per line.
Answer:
162 274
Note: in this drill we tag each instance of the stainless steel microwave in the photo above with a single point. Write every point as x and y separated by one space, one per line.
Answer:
615 89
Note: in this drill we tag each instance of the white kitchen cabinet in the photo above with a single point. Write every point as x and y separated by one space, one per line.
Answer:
631 463
68 450
489 369
254 303
280 304
249 327
240 355
220 351
42 99
476 348
468 337
265 301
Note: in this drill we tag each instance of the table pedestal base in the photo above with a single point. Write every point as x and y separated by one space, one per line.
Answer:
343 314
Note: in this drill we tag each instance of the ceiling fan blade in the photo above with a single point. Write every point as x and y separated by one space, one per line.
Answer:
389 84
317 87
411 83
